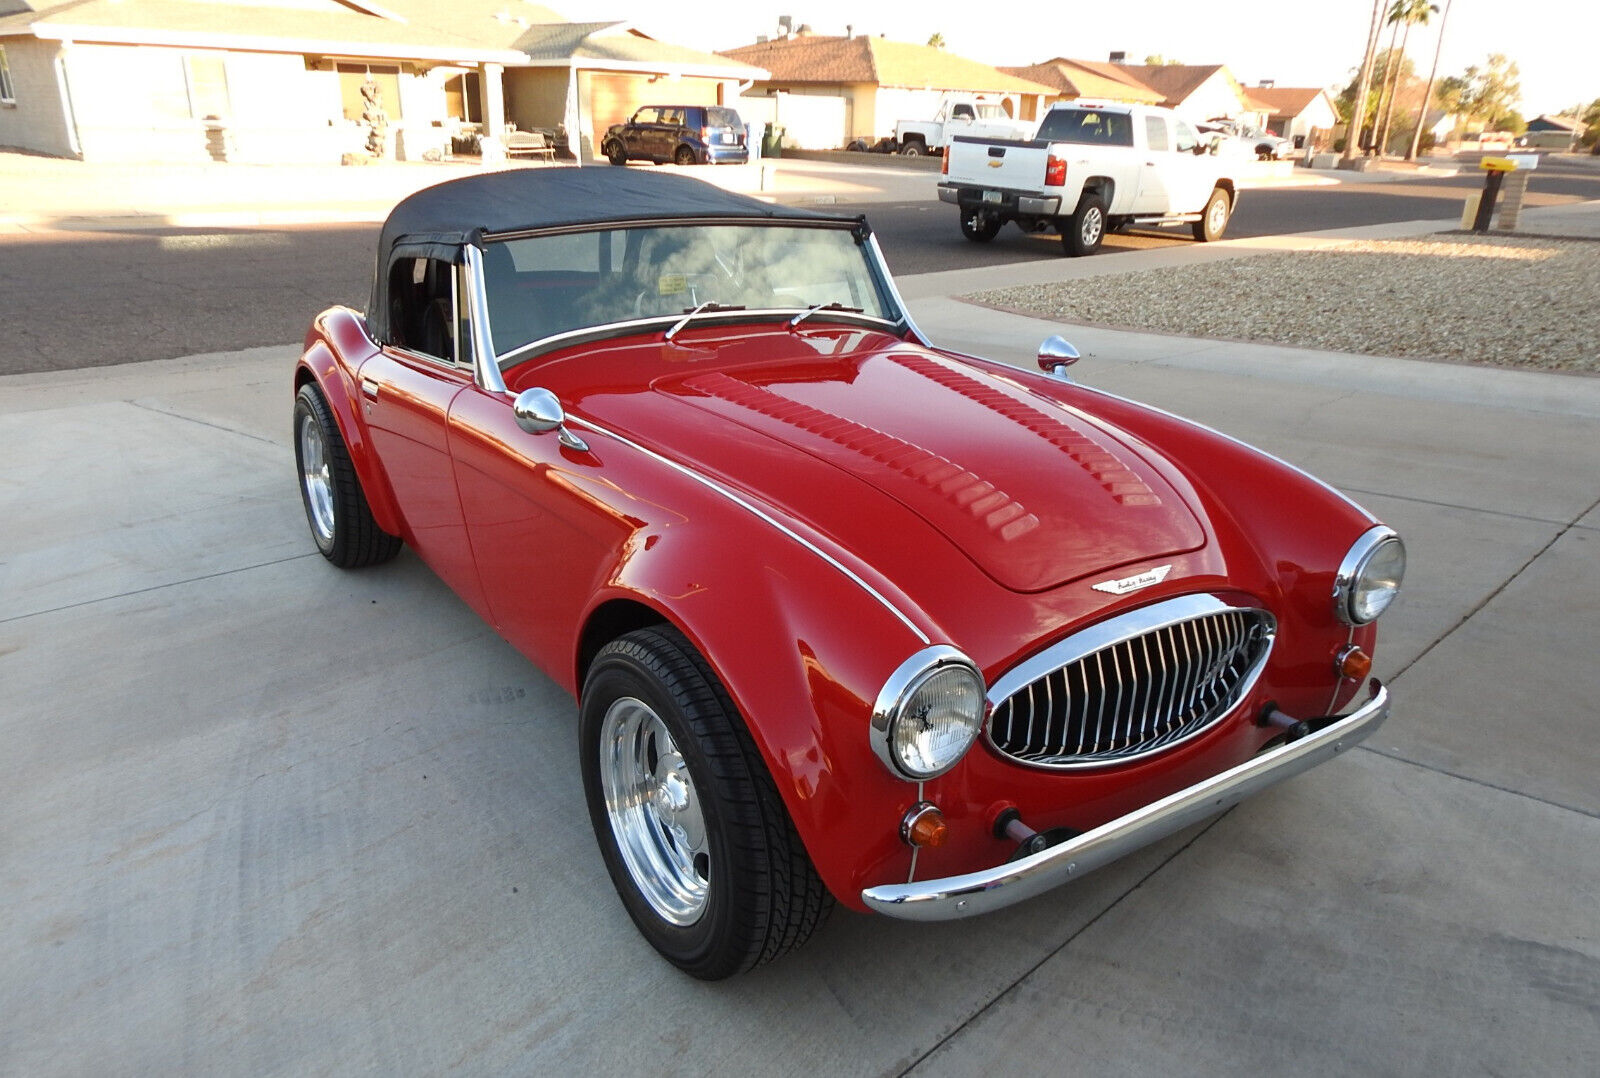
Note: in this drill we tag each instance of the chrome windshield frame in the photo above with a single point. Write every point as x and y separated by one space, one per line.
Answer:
899 320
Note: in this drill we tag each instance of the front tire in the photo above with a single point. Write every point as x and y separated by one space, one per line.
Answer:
1214 218
692 830
1086 228
615 153
979 227
336 506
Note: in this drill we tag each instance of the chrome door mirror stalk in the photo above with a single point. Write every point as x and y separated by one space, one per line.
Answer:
539 412
1055 356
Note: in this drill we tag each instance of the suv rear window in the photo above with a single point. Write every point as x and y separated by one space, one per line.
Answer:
723 118
1091 126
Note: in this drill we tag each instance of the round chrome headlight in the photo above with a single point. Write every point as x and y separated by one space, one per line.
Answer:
928 714
1369 577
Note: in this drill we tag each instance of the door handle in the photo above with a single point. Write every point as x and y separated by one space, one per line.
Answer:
369 389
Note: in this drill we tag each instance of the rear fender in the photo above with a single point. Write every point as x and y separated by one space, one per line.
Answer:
325 363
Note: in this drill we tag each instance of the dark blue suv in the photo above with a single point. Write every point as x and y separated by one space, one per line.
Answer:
687 134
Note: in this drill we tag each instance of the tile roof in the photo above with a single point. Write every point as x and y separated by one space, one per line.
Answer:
1286 100
810 58
1086 78
1175 82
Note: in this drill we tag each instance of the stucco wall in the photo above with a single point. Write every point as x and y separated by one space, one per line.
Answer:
1214 97
37 120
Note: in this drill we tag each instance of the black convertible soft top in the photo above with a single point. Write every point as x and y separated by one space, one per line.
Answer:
436 221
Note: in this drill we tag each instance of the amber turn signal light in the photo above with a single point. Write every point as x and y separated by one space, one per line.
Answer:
1352 663
924 825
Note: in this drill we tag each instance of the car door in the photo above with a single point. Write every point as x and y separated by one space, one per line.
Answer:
639 134
1156 168
539 532
406 391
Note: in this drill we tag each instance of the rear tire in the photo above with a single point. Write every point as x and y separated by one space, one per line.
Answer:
685 156
336 507
1087 226
914 148
979 227
697 841
1214 218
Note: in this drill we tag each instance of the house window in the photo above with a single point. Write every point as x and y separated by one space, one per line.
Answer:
207 81
353 76
7 94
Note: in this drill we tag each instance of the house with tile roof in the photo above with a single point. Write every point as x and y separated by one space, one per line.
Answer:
311 80
1306 114
1547 132
881 81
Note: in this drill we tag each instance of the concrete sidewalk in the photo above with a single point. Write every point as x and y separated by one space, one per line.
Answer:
261 816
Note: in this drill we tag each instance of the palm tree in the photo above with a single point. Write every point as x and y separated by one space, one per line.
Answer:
1404 13
1358 116
1427 95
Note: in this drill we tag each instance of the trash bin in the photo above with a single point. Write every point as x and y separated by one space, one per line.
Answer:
755 134
772 141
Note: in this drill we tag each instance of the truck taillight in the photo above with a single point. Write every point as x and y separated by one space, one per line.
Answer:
1055 171
944 164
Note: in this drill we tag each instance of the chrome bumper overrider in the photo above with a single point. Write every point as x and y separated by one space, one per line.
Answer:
992 889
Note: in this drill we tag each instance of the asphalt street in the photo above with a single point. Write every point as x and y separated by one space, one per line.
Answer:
89 299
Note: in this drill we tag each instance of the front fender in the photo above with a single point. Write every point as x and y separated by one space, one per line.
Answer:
803 652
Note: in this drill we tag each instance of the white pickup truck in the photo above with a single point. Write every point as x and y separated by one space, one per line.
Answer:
956 116
1091 167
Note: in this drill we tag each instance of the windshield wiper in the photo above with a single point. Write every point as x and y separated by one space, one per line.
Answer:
708 307
815 307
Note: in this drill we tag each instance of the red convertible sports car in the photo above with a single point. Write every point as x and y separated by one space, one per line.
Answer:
848 616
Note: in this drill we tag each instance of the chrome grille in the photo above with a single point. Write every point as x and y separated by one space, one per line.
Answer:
1130 686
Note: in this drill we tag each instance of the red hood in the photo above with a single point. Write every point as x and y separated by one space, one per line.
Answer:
1033 493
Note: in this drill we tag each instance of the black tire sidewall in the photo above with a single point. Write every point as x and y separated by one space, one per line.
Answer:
700 949
686 156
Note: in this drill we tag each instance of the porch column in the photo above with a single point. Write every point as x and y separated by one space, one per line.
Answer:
492 96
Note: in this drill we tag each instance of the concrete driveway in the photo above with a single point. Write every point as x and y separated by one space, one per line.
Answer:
260 816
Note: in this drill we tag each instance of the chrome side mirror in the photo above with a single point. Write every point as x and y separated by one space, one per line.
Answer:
1055 356
539 412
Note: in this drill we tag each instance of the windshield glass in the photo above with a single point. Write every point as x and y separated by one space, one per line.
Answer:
541 286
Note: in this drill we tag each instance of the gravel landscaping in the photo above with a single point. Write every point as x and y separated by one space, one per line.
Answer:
1499 300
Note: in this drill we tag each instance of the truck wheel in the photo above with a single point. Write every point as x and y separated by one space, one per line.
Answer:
914 148
979 227
1214 218
1087 226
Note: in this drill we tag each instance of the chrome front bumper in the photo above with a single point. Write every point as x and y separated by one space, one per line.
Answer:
992 889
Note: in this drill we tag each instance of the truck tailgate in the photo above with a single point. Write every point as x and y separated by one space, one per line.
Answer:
998 163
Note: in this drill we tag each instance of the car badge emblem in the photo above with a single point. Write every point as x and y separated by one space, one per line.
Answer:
1133 583
996 164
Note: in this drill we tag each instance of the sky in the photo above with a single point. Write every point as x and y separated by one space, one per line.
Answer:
1293 42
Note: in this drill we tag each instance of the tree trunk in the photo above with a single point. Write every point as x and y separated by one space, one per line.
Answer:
1358 110
1388 112
1427 95
1385 97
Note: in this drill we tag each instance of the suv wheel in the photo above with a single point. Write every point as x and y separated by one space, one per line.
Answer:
685 155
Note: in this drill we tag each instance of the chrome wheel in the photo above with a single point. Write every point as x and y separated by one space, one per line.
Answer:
316 477
654 810
1217 217
1092 227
